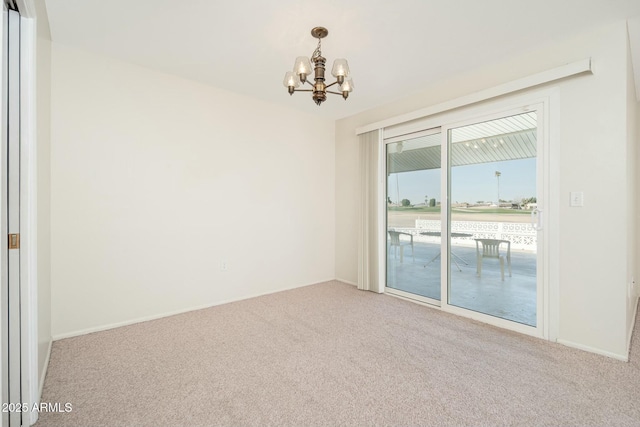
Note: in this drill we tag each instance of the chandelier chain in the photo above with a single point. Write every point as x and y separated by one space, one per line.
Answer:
316 53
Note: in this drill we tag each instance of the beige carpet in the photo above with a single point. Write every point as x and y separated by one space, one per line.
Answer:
328 355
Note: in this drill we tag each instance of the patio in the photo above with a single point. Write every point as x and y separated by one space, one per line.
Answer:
514 299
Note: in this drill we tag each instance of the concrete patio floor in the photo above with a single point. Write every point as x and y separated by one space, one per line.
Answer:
514 299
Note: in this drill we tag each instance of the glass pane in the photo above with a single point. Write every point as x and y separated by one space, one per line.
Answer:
493 244
413 215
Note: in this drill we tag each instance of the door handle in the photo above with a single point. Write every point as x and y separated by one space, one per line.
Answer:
14 241
536 219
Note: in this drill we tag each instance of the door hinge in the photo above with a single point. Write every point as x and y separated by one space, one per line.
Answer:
14 241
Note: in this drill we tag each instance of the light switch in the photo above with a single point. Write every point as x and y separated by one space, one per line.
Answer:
577 199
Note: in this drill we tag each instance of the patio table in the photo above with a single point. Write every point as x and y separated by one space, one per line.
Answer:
453 254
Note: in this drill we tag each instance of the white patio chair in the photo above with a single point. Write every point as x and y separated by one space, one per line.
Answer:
491 249
396 242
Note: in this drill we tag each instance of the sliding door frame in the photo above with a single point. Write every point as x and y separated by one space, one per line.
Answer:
385 143
542 167
542 101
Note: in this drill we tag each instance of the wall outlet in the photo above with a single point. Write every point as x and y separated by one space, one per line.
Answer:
224 266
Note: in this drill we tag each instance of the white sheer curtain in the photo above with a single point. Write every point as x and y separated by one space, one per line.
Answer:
368 265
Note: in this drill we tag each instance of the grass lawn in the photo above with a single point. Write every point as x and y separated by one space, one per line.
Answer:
479 210
413 209
491 211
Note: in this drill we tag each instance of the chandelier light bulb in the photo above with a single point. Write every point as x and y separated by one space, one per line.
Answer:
340 69
302 67
291 81
346 87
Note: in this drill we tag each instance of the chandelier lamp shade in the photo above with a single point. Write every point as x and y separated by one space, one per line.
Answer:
303 68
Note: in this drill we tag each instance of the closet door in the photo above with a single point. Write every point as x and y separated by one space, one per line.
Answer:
11 329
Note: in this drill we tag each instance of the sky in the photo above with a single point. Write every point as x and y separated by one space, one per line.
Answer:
470 183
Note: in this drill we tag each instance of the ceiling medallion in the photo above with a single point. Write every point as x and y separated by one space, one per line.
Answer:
302 68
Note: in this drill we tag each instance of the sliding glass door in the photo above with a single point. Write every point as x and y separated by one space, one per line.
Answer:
414 210
493 198
463 219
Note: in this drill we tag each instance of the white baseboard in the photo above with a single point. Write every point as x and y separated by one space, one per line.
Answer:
174 312
630 334
348 282
622 357
44 370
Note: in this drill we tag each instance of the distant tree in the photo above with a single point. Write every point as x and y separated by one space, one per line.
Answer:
426 200
405 202
432 203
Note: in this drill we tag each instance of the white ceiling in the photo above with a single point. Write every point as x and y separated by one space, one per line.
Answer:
246 46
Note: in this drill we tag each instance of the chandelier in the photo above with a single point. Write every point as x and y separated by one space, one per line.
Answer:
302 68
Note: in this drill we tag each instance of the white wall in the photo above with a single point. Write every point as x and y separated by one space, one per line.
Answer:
156 180
593 239
590 155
